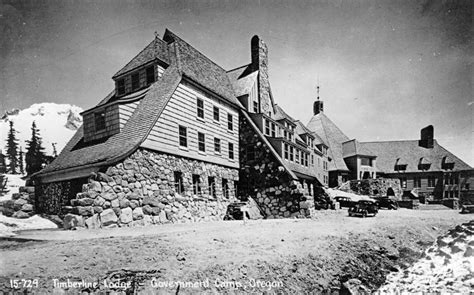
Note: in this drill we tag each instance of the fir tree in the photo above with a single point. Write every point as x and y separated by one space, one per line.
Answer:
3 165
12 150
3 184
35 156
55 152
20 162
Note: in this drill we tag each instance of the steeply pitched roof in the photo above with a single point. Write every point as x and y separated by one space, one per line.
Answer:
333 136
354 148
184 61
157 49
242 84
410 153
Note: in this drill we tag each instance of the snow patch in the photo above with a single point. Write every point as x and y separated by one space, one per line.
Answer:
8 225
13 185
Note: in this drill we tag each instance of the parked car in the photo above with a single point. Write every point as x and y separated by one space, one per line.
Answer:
387 203
324 203
364 208
465 209
344 201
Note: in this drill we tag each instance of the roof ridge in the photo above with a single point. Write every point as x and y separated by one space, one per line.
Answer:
132 59
238 68
387 141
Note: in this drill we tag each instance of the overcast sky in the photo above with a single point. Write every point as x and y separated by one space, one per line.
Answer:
386 68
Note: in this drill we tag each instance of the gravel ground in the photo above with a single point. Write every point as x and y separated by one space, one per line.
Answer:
332 252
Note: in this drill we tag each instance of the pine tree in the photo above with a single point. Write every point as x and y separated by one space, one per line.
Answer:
3 165
20 161
3 184
55 152
12 150
35 156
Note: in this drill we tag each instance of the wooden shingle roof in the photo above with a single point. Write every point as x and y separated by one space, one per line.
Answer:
410 153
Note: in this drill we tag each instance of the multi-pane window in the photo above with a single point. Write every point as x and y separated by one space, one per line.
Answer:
312 160
292 153
273 130
250 152
178 182
183 136
211 181
255 107
417 182
216 113
267 127
99 121
196 184
231 150
225 188
200 108
150 75
297 158
285 151
201 142
217 145
135 81
121 86
230 122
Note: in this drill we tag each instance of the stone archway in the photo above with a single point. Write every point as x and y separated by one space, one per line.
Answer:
390 192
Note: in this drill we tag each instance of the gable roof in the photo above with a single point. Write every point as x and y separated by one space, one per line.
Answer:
242 84
185 62
354 148
333 136
409 152
156 49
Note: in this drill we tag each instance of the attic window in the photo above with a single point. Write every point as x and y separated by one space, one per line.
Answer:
150 75
99 118
135 81
121 86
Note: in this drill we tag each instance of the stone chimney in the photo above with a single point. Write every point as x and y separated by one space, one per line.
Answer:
259 52
427 137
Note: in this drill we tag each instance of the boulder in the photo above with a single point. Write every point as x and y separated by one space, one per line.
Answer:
72 221
16 196
95 186
147 209
84 210
99 201
98 209
93 222
108 217
162 217
84 202
18 204
27 208
115 203
124 203
137 213
151 201
109 195
126 215
104 177
20 214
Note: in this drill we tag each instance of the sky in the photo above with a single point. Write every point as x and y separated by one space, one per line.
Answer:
386 69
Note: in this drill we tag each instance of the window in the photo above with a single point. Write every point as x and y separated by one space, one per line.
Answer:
250 152
312 160
230 122
201 142
403 182
431 181
217 145
99 121
225 188
150 75
135 81
267 127
273 130
121 86
183 137
297 158
467 186
306 156
200 108
255 107
231 150
417 182
216 113
366 162
292 153
285 148
212 186
196 184
178 182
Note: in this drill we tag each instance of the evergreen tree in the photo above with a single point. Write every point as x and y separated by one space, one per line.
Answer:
55 152
3 184
35 156
3 165
20 161
12 150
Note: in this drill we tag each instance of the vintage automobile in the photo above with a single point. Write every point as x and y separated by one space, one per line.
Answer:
387 203
466 209
344 201
364 208
324 203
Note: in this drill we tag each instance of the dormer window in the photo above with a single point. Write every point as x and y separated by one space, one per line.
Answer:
150 75
135 81
99 121
121 86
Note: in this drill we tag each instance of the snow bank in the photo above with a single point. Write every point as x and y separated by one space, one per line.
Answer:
13 185
9 225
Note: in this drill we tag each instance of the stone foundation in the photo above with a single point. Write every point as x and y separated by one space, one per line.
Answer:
21 205
141 190
374 187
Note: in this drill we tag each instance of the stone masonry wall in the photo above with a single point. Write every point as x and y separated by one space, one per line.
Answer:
141 191
21 205
266 181
374 187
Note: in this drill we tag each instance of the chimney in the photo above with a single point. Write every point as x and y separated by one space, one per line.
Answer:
259 52
427 137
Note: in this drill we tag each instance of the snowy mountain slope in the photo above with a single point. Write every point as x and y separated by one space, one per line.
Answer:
57 123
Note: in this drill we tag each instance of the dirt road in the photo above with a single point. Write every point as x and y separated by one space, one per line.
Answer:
227 257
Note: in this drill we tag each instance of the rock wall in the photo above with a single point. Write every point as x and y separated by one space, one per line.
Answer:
141 190
264 179
21 205
374 187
